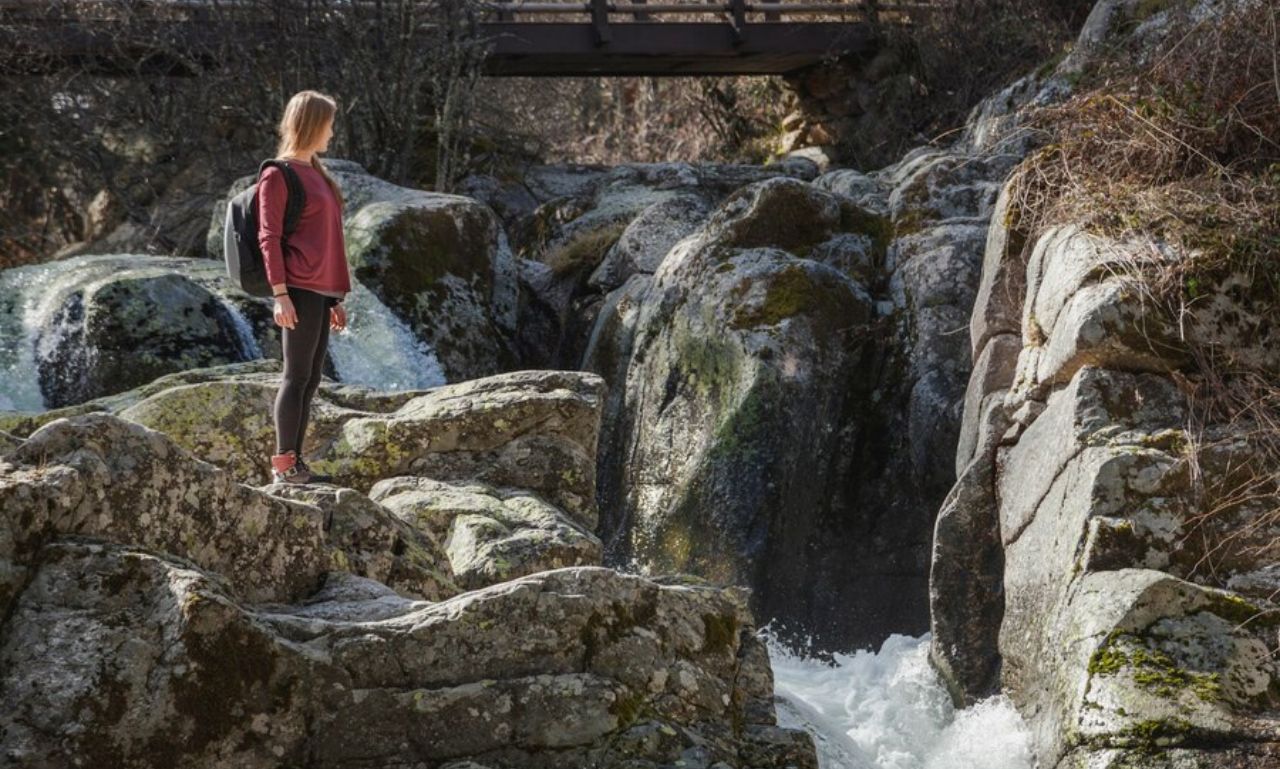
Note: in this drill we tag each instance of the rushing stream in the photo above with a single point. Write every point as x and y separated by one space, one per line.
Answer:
888 710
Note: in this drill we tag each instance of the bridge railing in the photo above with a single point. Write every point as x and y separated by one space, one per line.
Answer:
608 11
742 11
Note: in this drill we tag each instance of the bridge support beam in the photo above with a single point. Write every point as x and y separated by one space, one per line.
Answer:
669 48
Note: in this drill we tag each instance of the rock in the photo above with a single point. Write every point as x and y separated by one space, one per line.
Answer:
865 189
945 185
367 540
997 308
966 578
490 534
594 226
96 325
647 239
1068 558
22 423
1085 306
521 445
910 237
736 348
441 263
992 376
227 422
565 668
532 429
96 475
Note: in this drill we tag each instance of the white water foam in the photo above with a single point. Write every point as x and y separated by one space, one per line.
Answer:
377 349
888 710
29 297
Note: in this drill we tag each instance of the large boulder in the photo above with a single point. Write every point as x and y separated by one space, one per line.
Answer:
593 227
714 360
501 469
89 326
490 534
1110 636
157 613
567 668
1095 560
440 262
728 363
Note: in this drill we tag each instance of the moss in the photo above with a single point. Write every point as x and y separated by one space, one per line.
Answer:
795 290
405 256
1151 668
1154 733
720 633
1236 609
676 545
787 294
1106 660
600 630
911 222
1145 9
741 435
881 230
711 363
1051 63
629 708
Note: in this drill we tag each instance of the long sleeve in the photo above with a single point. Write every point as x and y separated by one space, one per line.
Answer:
273 194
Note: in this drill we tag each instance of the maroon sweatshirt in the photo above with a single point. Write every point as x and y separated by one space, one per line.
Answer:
315 255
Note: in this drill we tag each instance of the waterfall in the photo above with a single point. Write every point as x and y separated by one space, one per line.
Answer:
30 297
888 710
376 349
246 343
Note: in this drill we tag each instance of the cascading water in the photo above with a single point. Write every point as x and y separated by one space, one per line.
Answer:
888 710
377 349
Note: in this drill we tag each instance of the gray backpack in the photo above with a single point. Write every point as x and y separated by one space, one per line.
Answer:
245 263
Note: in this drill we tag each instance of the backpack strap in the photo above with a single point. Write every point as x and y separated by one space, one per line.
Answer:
297 197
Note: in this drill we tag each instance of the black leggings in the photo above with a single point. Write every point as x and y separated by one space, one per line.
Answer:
304 350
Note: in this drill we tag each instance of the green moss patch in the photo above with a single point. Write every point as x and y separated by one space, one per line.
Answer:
1151 668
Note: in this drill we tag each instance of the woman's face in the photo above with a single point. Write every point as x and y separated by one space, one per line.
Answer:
325 136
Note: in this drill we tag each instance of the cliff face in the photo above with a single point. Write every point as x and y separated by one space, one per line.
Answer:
785 379
1069 559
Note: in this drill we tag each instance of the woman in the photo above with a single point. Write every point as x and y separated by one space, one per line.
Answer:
308 272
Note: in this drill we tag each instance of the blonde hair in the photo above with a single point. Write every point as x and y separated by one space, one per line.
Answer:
305 117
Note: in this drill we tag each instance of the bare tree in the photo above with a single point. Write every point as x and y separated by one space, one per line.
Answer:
140 113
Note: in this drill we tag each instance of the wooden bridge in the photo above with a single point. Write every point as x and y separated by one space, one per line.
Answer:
640 38
593 37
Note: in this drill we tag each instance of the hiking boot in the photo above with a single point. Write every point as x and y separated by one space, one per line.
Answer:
312 474
287 468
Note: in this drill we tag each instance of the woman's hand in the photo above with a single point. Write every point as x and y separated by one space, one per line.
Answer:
337 317
283 312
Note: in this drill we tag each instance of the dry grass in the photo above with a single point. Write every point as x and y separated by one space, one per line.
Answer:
585 250
1183 155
